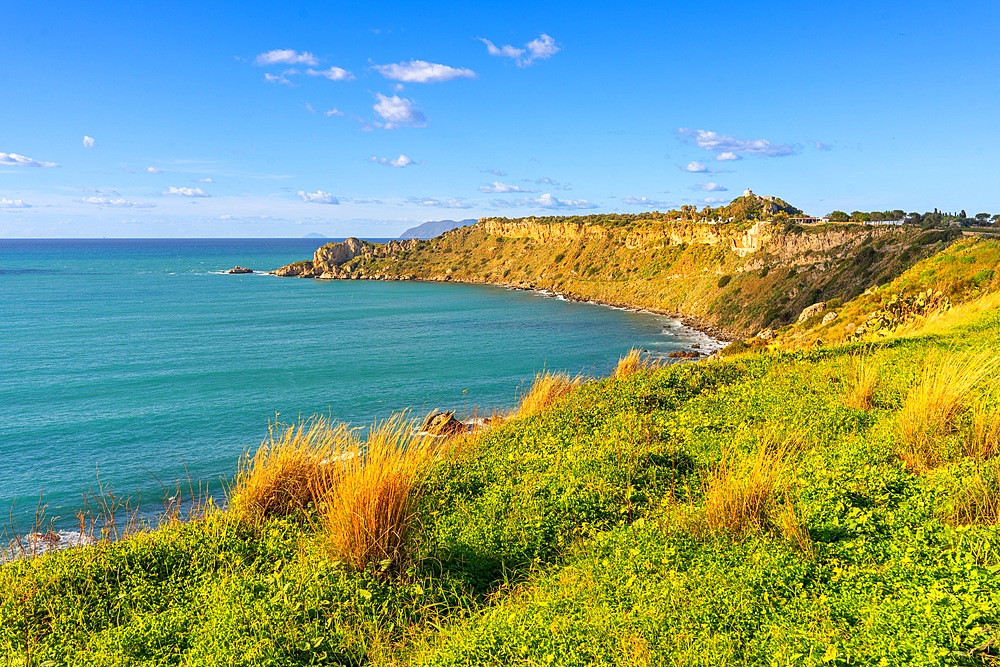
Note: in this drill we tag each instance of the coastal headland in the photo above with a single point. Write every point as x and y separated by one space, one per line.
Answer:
744 268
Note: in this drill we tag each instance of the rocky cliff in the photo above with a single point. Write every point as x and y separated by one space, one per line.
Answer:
732 278
336 260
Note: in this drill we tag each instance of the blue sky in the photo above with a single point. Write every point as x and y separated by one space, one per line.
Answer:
189 119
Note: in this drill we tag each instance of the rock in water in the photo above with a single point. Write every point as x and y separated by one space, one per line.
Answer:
239 269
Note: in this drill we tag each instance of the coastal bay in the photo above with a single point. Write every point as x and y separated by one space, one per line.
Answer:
138 362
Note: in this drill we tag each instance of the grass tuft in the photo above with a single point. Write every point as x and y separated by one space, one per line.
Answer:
862 382
793 528
932 406
547 388
369 503
743 492
976 498
282 475
983 442
629 364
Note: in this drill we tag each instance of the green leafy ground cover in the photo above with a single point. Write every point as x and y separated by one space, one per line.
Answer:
580 536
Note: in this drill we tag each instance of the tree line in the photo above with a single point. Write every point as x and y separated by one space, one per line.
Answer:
929 220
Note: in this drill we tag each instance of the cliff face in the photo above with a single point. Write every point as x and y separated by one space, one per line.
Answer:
736 279
336 260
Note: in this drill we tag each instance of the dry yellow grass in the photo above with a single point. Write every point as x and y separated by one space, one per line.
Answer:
793 528
977 500
943 321
983 441
369 502
281 476
629 364
861 382
932 405
743 492
546 389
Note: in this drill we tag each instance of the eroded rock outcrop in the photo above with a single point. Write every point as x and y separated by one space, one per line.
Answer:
337 260
809 311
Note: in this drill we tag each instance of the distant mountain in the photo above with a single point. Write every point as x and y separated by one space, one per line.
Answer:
314 235
433 228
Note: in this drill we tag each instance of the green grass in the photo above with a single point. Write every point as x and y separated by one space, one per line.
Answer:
577 535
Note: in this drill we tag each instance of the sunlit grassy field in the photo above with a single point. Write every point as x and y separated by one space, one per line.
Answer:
828 505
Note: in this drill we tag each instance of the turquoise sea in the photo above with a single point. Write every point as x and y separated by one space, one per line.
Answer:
139 363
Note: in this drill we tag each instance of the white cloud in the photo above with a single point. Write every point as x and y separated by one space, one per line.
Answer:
399 162
545 201
820 146
22 161
421 71
545 180
13 203
715 200
542 47
318 197
333 74
506 51
207 179
277 78
286 57
696 168
549 201
186 192
329 112
728 156
457 202
502 188
153 170
495 172
88 142
398 112
643 201
712 187
723 144
114 202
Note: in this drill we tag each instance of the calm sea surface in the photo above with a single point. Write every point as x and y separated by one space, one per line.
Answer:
132 361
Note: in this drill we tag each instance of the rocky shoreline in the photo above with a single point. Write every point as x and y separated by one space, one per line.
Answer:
333 262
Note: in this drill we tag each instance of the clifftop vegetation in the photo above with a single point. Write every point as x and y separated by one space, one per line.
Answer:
747 207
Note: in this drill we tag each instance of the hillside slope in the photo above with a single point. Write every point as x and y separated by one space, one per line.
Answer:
732 278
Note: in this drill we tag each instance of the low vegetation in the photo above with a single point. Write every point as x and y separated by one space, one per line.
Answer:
544 391
283 475
368 505
861 382
804 505
932 407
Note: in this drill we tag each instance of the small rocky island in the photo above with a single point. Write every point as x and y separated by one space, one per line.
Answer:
239 269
